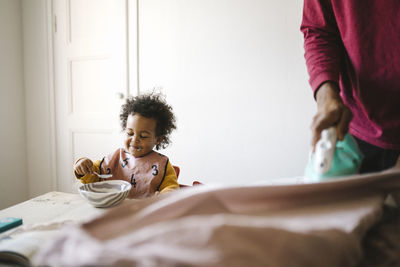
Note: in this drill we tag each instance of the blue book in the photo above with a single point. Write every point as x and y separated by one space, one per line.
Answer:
9 223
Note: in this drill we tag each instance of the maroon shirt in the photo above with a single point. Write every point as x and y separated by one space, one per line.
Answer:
356 43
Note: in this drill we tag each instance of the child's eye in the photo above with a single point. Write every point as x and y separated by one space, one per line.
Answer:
143 136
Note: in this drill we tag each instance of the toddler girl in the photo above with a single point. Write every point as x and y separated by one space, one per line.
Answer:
147 121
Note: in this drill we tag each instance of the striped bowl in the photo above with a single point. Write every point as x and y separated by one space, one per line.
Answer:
105 194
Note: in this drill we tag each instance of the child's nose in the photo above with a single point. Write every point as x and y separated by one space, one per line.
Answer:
135 139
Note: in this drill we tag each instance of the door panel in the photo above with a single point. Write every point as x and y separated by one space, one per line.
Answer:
89 79
89 20
82 143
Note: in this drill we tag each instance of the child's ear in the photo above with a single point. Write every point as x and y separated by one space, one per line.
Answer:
159 139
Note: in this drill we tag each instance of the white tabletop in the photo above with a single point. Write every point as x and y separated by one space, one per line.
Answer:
53 208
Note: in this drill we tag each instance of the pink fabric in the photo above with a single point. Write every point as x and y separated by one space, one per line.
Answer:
284 225
356 44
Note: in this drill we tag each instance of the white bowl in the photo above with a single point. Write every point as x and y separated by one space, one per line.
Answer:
105 194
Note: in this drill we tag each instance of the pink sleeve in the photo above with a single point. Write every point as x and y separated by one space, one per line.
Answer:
322 42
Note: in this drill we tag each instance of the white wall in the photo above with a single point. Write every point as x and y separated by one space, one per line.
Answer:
235 74
13 174
39 96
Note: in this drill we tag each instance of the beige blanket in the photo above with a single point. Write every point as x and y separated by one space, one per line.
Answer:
283 225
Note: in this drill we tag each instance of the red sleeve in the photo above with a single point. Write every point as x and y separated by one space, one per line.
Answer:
322 42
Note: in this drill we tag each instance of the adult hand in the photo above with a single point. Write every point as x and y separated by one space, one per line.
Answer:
84 166
331 111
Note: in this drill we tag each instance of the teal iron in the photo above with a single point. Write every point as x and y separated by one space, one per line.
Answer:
333 158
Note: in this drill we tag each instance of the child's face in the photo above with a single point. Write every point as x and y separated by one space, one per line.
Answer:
140 135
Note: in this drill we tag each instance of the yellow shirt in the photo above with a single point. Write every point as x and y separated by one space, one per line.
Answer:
169 183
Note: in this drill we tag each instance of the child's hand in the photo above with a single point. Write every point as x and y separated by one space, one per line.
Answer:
84 166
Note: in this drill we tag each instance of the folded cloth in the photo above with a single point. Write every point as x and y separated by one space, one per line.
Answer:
319 224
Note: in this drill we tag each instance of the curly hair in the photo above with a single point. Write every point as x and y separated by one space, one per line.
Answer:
151 106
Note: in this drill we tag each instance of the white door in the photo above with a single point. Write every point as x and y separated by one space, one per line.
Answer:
91 81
